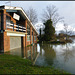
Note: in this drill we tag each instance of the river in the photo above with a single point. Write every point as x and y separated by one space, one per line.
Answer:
59 56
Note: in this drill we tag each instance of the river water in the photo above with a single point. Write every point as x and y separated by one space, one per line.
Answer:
59 56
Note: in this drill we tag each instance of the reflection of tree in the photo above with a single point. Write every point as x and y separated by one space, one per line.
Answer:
68 54
49 53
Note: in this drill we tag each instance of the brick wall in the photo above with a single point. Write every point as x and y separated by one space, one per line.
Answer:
23 41
6 41
4 19
1 41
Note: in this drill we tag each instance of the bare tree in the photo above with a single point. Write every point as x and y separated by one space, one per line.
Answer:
67 30
32 15
51 13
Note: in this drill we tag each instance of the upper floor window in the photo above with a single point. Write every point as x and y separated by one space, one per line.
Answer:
8 19
0 21
34 37
28 30
28 37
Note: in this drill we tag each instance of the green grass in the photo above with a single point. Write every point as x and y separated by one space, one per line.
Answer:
10 64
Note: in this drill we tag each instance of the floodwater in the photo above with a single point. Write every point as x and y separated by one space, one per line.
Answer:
59 56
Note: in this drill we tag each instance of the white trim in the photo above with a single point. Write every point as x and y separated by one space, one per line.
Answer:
14 34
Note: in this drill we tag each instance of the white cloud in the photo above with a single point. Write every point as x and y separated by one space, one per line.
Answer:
59 27
39 25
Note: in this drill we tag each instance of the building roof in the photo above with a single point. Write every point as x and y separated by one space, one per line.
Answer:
21 11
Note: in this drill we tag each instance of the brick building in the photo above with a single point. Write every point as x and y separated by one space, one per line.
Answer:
16 30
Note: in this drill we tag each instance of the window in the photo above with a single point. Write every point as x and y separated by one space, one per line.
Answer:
28 30
28 37
8 20
0 21
34 37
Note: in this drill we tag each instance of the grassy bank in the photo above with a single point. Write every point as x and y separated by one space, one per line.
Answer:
10 64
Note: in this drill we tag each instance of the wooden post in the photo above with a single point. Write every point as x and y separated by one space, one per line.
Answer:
33 36
30 35
26 32
4 19
18 27
13 26
22 28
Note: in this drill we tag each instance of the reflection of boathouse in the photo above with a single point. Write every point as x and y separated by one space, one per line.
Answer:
27 52
16 30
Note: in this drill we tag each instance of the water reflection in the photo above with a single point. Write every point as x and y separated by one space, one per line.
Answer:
47 55
60 56
65 57
68 52
27 52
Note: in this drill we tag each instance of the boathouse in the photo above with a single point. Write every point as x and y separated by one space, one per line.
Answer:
16 30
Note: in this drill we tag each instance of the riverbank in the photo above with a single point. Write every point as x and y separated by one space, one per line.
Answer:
10 64
61 41
57 42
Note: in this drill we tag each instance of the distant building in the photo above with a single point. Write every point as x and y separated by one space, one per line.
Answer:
16 30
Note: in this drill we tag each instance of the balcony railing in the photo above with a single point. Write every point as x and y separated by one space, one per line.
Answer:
15 27
10 25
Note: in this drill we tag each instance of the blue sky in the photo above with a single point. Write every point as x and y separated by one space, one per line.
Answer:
66 9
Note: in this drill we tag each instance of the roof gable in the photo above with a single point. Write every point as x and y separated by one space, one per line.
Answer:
8 8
